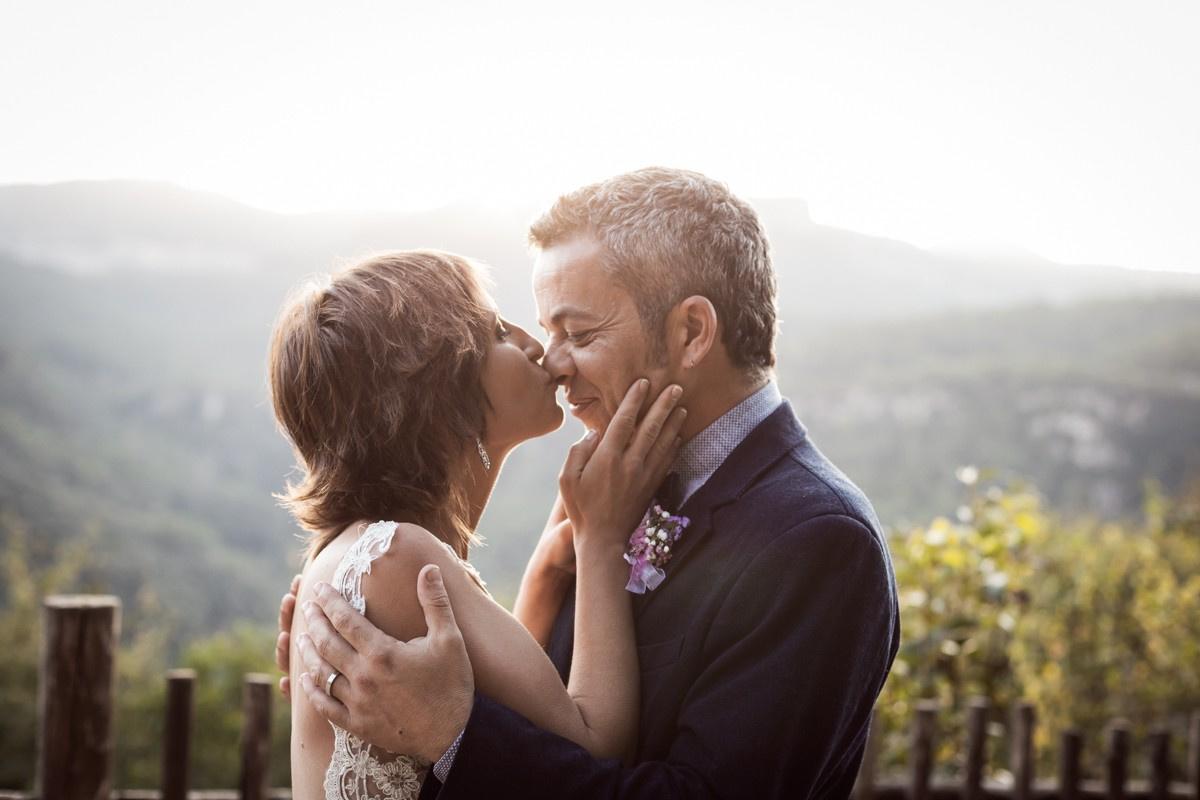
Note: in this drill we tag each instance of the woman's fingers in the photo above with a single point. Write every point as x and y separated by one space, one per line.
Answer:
624 422
663 453
652 428
577 458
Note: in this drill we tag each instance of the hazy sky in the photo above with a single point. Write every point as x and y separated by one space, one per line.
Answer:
1069 128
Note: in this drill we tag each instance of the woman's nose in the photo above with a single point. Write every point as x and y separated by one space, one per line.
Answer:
533 348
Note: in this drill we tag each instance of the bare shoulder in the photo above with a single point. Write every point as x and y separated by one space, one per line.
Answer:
390 588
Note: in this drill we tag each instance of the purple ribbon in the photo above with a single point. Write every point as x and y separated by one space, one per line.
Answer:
644 575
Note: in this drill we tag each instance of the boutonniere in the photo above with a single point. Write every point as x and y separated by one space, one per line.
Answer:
650 548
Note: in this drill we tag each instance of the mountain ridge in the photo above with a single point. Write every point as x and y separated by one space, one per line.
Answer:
826 274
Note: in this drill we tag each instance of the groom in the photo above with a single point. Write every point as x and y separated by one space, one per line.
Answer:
766 646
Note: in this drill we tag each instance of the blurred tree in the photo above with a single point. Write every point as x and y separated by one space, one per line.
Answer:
21 591
1090 621
221 661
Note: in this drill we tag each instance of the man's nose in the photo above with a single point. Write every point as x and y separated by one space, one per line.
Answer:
557 362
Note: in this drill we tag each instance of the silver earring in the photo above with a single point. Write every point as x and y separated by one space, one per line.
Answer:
483 456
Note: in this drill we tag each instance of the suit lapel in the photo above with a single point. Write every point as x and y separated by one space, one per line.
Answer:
766 444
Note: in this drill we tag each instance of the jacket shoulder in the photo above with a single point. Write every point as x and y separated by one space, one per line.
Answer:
805 485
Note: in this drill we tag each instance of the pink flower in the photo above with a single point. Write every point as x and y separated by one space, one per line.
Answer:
650 548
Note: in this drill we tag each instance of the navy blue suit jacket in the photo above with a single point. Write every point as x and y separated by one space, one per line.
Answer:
761 654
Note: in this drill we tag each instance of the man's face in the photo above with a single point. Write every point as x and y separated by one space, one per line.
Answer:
597 345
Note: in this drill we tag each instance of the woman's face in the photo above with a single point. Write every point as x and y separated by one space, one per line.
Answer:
522 394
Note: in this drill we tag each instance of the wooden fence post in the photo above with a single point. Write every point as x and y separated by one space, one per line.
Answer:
1193 765
1160 764
75 696
256 737
1024 718
977 711
1068 765
177 735
1117 763
923 732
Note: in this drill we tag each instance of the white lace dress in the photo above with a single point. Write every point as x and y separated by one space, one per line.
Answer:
358 770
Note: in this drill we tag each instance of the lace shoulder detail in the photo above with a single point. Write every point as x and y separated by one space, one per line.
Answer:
358 770
371 544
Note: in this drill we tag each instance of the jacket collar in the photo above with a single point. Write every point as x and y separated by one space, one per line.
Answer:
775 436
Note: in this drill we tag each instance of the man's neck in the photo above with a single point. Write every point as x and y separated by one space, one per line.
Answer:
707 402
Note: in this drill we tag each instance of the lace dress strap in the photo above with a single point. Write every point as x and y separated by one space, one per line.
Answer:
358 770
370 545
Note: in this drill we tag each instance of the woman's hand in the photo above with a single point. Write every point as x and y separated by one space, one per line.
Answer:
556 548
608 481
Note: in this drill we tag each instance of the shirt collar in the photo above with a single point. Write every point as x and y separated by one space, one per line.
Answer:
700 457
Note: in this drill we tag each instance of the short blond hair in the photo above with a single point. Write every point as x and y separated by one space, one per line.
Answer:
668 234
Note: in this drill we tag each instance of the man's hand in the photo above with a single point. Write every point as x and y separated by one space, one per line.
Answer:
407 697
283 644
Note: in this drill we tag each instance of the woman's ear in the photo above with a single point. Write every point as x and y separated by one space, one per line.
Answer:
697 319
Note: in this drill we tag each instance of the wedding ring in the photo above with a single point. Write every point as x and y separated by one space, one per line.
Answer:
333 676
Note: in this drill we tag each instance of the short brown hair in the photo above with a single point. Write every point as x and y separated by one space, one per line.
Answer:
375 377
668 234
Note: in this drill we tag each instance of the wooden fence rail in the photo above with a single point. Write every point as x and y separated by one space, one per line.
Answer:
75 739
1067 785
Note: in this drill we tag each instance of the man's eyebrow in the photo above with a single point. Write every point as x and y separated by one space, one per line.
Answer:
563 312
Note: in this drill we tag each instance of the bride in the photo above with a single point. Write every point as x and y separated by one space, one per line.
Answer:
402 390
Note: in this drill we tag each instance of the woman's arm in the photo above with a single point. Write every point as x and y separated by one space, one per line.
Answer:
598 708
548 576
606 485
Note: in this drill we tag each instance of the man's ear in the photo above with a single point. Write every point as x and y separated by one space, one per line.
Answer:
696 331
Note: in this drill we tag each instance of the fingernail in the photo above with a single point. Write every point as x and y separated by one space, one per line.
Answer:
643 385
306 681
676 391
433 576
307 608
322 589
